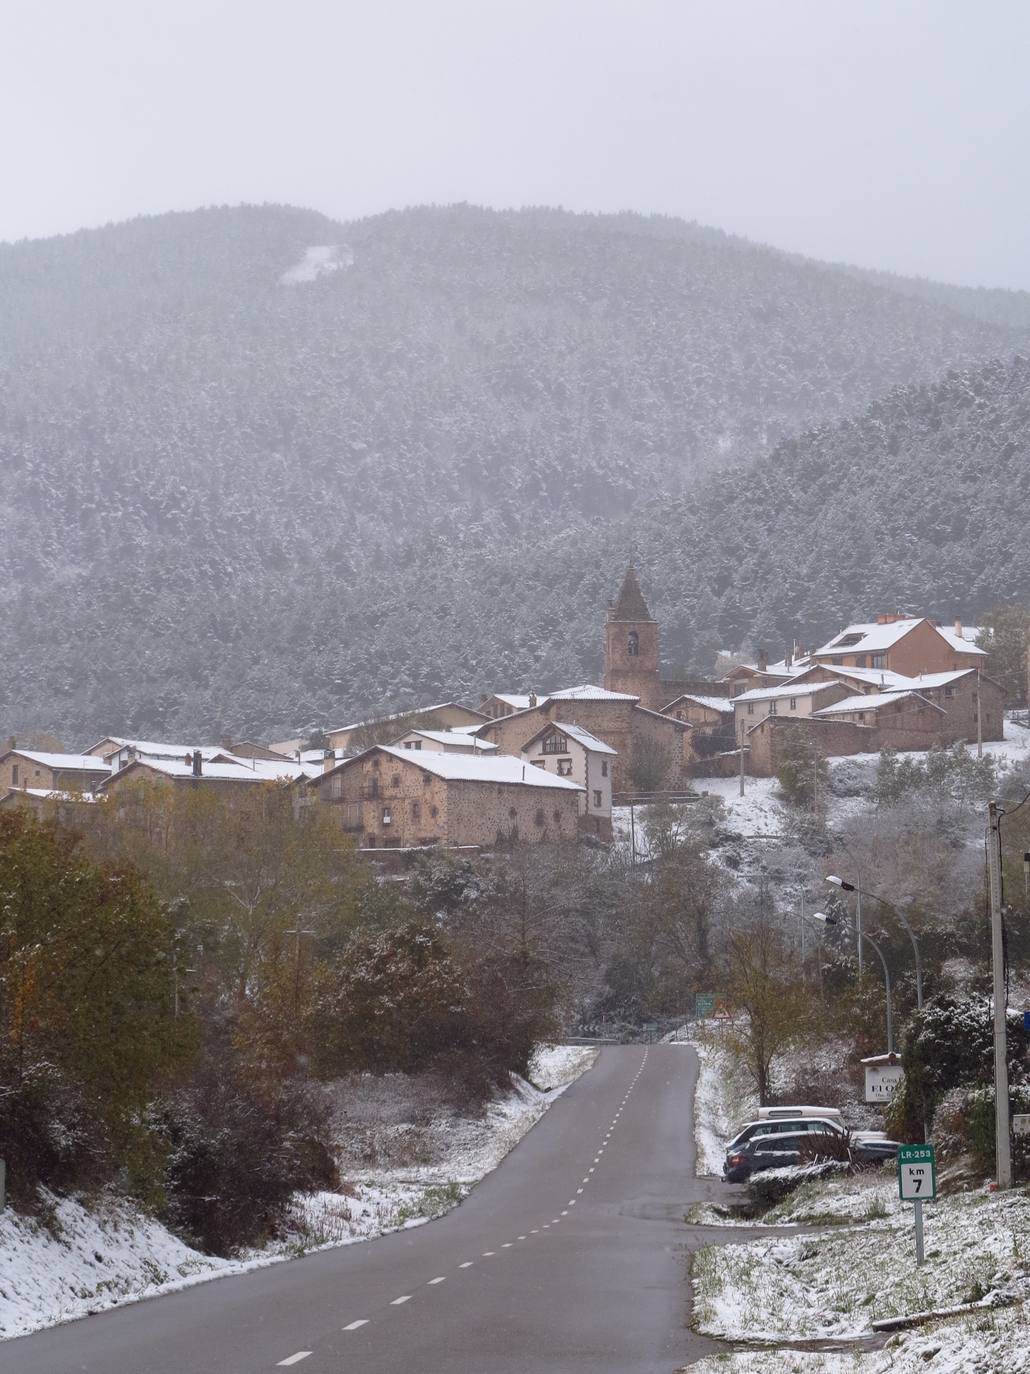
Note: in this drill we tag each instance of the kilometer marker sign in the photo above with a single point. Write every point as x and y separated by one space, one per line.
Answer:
917 1173
917 1183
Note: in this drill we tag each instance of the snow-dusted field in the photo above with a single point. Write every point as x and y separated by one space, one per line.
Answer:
723 1101
838 1282
83 1259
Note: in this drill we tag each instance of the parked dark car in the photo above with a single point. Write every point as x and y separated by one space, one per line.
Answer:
818 1125
779 1149
869 1152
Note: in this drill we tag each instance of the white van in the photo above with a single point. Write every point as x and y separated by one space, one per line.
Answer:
799 1113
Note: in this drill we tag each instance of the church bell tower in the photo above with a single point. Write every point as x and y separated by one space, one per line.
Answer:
631 645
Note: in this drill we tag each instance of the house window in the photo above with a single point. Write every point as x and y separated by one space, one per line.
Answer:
370 842
416 811
540 763
751 708
604 768
633 644
539 817
949 691
597 800
512 813
14 775
387 816
860 660
434 811
555 744
414 744
557 817
879 661
565 768
793 703
395 781
772 708
337 787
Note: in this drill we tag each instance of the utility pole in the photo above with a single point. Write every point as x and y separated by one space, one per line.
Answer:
742 764
298 933
979 720
1003 1145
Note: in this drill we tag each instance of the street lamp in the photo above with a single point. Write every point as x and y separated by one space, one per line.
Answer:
832 921
850 887
858 891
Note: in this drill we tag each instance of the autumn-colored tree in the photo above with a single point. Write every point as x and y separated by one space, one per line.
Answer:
88 1031
763 984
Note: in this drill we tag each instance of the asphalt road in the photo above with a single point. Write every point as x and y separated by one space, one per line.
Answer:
570 1257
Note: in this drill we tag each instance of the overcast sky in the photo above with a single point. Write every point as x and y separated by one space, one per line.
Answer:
890 133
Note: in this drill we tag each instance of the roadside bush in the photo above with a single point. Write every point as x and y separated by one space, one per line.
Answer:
773 1185
87 1031
237 1150
408 1002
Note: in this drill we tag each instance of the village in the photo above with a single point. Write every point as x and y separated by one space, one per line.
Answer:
549 765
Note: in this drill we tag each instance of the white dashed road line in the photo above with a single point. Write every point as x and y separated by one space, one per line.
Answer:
353 1326
441 1279
294 1359
397 1301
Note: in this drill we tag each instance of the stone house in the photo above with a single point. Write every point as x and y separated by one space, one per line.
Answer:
900 720
570 751
796 700
955 692
831 738
637 734
45 772
499 704
710 719
220 774
390 798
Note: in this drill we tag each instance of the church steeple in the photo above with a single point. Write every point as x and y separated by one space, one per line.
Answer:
631 605
631 645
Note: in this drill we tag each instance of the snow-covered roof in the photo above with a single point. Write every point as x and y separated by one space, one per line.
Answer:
503 768
226 770
454 739
722 704
940 679
407 715
589 742
871 701
66 762
588 692
877 638
160 750
876 677
518 701
792 689
46 795
960 642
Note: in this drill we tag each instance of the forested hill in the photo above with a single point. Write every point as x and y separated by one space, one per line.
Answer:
213 482
920 505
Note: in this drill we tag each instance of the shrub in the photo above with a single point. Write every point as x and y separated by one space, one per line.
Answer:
237 1150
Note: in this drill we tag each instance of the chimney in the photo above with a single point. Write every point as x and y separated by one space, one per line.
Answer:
225 743
12 742
958 627
532 700
198 763
763 660
328 760
788 658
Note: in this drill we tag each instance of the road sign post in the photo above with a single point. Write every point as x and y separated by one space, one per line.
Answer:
917 1183
704 1004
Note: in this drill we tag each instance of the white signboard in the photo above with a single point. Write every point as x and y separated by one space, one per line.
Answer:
881 1081
1021 1124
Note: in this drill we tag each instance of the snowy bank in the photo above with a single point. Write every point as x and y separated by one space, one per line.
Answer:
75 1259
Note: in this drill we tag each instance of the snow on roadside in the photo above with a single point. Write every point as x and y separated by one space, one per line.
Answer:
837 1283
74 1260
986 1343
723 1101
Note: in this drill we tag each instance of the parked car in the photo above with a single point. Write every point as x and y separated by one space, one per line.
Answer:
870 1152
788 1126
779 1149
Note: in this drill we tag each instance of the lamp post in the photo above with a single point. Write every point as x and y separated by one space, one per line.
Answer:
850 887
858 890
832 921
